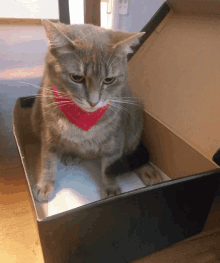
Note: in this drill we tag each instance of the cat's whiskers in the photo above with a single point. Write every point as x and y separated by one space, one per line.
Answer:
134 99
77 101
112 124
45 88
41 96
59 93
121 108
60 102
113 61
67 101
38 96
50 91
115 64
36 86
80 61
48 108
124 98
126 102
113 51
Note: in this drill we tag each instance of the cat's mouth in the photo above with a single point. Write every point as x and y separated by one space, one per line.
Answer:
86 106
82 104
93 109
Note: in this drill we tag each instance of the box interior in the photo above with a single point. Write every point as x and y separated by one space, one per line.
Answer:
175 71
75 185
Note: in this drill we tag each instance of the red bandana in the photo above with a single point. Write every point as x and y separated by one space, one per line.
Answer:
81 118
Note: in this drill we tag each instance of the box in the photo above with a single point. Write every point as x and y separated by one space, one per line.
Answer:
175 71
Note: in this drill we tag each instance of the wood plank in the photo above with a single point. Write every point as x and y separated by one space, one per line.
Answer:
203 248
92 9
19 239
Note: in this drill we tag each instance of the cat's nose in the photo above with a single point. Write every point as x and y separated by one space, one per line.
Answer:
93 104
93 98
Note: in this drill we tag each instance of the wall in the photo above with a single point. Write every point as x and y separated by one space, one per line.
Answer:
29 9
49 9
139 14
23 49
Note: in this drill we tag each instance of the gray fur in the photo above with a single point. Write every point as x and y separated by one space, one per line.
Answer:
96 54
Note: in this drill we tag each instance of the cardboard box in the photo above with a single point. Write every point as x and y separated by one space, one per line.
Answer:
175 71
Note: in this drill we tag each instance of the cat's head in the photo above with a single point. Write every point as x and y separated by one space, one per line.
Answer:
87 62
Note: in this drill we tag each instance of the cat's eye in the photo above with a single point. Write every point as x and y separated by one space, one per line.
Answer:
108 81
77 78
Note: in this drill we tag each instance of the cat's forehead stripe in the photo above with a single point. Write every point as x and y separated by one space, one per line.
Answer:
93 65
94 68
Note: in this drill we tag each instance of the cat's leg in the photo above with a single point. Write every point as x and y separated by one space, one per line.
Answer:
110 186
43 190
70 159
112 150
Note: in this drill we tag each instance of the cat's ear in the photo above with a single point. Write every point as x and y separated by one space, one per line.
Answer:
124 40
56 34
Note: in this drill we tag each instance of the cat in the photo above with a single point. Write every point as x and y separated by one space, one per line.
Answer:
86 68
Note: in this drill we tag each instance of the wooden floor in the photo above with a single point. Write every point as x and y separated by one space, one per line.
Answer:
203 248
19 240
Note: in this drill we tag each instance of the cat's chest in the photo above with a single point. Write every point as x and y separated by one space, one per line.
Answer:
72 133
84 142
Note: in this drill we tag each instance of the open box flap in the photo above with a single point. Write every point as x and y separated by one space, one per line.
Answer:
195 6
176 72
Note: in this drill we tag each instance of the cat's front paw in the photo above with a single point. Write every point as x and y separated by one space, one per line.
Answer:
43 191
110 190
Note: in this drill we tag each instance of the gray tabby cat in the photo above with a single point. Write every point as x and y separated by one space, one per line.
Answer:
89 65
